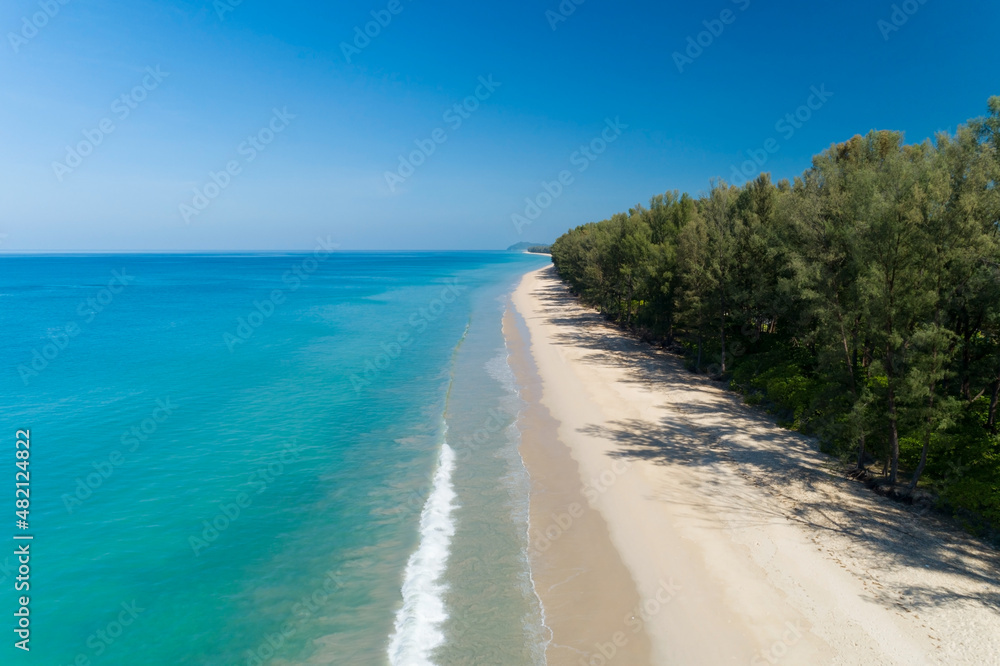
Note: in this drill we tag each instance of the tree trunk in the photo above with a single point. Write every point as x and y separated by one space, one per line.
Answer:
851 360
927 441
631 294
890 370
923 459
722 334
722 330
847 357
893 444
966 388
991 422
893 425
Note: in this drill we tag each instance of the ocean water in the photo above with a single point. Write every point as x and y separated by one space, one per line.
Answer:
275 459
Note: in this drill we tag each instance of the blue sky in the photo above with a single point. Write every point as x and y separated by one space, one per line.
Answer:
222 75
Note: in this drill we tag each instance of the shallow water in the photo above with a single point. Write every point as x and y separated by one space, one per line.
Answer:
232 458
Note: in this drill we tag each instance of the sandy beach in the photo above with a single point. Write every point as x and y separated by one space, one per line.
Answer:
672 524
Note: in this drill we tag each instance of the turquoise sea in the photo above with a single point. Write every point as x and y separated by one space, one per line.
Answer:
266 459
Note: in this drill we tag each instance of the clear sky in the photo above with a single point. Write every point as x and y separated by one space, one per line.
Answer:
223 68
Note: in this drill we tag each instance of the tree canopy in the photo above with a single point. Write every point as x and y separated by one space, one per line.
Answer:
860 302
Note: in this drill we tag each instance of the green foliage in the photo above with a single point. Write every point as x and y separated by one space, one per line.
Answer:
860 303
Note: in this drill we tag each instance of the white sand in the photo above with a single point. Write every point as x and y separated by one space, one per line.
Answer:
744 544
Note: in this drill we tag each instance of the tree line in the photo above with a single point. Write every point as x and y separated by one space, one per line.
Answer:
860 301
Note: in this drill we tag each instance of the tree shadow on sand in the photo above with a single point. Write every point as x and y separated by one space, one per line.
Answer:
710 431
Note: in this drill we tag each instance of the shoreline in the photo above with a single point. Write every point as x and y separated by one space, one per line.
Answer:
733 539
580 581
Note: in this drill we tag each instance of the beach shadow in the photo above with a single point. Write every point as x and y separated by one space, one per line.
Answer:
709 431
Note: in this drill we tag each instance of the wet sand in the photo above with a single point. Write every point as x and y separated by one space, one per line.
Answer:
587 594
690 529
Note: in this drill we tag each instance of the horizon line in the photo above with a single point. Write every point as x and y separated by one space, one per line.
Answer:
238 252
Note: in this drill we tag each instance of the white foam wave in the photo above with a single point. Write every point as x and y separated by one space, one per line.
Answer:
499 369
418 623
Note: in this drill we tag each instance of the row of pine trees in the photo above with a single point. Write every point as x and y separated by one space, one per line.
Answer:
861 302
